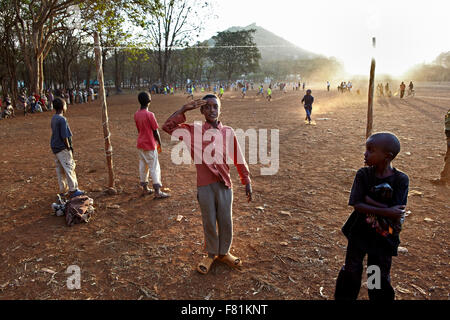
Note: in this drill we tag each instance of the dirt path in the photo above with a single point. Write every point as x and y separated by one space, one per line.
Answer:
139 250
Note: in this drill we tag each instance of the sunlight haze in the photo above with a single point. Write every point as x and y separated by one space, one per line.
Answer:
407 32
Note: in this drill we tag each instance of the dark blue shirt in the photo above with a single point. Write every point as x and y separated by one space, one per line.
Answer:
308 99
356 227
60 131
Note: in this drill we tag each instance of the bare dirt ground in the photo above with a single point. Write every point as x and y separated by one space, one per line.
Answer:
134 248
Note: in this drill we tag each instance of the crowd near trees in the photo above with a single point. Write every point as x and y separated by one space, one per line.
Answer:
48 44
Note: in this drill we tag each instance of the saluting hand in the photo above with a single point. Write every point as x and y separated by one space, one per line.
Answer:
194 105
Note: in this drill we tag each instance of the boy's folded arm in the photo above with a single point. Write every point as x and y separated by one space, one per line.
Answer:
374 203
395 212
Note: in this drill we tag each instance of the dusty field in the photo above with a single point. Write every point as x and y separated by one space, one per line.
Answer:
140 251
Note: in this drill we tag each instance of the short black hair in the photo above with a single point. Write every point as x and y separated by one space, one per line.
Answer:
211 96
144 98
388 142
58 104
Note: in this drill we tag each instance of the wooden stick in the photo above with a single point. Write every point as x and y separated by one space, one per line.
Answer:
105 119
371 89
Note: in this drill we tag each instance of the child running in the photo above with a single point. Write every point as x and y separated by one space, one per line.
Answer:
214 187
379 195
269 94
308 99
149 145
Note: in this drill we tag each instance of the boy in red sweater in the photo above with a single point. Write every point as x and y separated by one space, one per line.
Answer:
214 188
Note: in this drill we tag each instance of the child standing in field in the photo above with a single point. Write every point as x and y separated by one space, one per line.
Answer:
308 99
269 93
149 145
61 145
214 187
379 195
244 90
221 91
190 93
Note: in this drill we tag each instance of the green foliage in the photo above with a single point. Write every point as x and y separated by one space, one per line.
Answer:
235 53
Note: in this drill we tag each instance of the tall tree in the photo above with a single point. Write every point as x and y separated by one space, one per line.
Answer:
178 24
37 25
235 52
8 49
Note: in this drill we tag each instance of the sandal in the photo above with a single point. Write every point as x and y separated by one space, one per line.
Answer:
231 261
205 264
161 195
148 191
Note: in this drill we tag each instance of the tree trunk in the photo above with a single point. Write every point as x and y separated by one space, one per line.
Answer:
41 75
116 72
105 120
370 104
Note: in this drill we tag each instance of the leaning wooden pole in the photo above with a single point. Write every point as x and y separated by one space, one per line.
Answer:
371 89
105 120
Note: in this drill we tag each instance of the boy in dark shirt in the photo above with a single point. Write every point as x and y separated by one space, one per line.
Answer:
61 144
379 195
308 99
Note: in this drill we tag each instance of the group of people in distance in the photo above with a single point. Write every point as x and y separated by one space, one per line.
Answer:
344 87
403 88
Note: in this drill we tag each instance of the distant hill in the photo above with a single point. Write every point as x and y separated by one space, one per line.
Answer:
273 47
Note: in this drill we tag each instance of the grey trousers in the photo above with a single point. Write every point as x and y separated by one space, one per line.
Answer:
216 201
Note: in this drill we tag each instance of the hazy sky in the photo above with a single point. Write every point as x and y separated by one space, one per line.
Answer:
407 32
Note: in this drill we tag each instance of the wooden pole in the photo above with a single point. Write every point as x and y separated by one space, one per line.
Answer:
105 120
371 89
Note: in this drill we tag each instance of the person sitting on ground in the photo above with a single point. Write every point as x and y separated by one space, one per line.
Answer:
214 187
8 110
149 145
35 106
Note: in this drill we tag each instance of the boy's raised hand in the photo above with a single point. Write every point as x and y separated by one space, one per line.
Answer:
194 104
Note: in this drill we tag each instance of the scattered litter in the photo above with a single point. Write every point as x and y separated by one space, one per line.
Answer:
402 290
408 153
260 208
292 279
402 250
284 243
179 217
415 193
114 206
419 289
145 236
48 270
209 296
321 293
408 213
323 119
285 213
428 220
